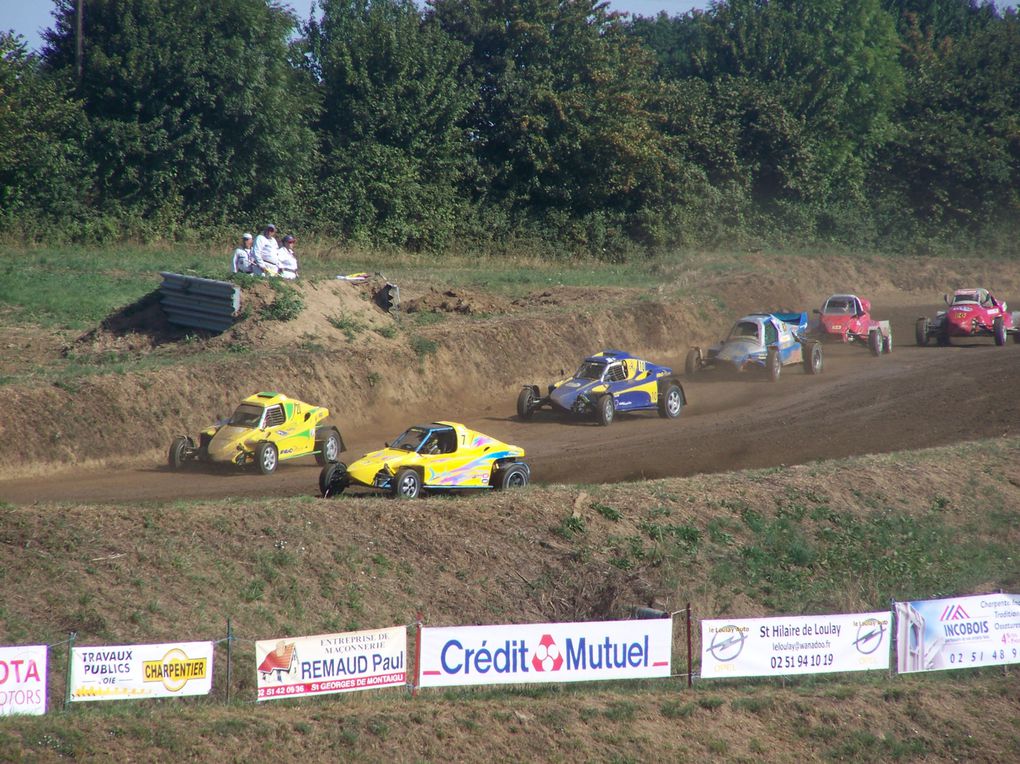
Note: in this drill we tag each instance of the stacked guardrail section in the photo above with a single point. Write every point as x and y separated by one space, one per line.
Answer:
199 303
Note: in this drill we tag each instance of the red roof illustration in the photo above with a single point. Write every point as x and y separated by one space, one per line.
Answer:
279 659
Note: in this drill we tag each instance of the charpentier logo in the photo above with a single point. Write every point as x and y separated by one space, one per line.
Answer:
869 636
175 670
727 643
954 613
547 655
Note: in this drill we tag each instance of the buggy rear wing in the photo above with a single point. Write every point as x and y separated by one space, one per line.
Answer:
799 321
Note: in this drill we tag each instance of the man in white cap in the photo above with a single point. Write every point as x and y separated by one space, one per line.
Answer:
243 255
266 262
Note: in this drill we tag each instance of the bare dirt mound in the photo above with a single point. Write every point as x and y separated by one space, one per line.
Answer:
324 311
458 301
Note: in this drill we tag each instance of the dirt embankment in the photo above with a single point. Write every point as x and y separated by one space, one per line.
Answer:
376 371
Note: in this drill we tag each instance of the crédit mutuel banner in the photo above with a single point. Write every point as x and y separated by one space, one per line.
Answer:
23 680
327 663
813 644
933 635
129 672
544 652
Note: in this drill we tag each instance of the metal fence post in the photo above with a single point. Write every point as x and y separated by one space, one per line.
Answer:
417 656
690 658
230 652
70 649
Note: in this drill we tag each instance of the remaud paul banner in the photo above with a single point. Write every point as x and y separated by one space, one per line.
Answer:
23 680
933 635
128 672
813 644
545 652
358 660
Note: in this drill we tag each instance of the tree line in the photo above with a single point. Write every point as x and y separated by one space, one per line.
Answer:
556 125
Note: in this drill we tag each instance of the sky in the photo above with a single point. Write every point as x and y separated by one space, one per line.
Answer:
29 17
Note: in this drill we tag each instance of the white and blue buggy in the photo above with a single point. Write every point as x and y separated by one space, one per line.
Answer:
766 341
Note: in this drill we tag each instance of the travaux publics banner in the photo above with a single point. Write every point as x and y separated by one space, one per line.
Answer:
130 672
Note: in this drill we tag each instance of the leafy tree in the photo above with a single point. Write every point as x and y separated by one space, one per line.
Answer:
954 19
564 125
954 163
43 172
818 80
193 106
393 151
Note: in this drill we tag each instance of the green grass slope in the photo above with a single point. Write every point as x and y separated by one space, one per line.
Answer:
835 536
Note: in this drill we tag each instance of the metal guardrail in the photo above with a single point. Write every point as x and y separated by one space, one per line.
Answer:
199 303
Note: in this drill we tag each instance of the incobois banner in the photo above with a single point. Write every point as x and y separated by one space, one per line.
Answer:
933 635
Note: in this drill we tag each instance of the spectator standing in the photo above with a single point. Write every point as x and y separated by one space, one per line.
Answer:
287 259
265 253
243 255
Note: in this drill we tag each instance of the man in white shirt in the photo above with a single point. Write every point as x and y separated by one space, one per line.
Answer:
266 262
243 255
287 259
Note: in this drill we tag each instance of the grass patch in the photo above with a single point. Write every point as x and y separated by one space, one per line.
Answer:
428 317
286 306
350 326
423 346
571 526
674 709
607 511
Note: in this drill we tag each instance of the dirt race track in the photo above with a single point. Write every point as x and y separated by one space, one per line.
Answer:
914 398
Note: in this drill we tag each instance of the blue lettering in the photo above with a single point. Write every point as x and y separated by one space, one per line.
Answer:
483 660
575 658
450 669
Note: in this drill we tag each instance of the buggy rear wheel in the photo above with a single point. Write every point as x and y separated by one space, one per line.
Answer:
813 359
875 342
329 449
526 403
514 476
692 364
887 342
999 327
672 403
921 330
773 365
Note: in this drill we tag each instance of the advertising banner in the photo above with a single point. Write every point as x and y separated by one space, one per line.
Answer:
796 644
545 652
934 635
130 672
358 660
23 680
